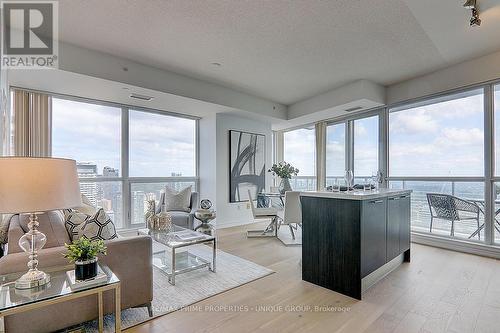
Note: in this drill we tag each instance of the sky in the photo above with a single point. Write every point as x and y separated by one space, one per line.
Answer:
443 139
159 144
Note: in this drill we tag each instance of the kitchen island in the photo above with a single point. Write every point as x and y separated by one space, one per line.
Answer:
350 240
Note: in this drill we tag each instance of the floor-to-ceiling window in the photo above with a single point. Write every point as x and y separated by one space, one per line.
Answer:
436 148
161 150
336 157
496 184
91 135
445 148
300 150
366 148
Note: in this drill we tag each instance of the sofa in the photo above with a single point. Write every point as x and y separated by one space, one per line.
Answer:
182 218
130 258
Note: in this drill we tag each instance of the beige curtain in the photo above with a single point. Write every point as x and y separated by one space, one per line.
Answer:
32 114
320 155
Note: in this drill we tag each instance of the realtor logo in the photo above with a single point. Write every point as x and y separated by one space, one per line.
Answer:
29 34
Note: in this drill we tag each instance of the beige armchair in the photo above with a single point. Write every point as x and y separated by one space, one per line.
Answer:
129 258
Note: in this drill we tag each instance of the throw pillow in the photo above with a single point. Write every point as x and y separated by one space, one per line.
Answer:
179 201
74 219
97 227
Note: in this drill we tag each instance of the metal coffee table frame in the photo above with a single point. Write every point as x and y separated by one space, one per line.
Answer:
64 295
168 239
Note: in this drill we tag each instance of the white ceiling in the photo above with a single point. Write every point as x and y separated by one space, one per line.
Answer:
284 50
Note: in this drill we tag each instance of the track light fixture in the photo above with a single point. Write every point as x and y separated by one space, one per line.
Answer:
470 4
475 21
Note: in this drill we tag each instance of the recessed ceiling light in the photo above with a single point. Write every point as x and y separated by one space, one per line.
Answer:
216 64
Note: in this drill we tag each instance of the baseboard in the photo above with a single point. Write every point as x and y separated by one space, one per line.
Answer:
490 251
225 225
368 281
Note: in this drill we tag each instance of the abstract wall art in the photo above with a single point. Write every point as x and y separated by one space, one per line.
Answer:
247 160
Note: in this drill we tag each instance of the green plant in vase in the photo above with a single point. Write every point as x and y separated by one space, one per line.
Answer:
83 252
285 171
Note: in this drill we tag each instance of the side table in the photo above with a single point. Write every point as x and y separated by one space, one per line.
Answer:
14 301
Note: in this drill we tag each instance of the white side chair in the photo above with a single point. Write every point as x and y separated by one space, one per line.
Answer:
292 214
263 214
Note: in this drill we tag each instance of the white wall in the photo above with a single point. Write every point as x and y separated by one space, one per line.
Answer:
467 73
228 214
207 161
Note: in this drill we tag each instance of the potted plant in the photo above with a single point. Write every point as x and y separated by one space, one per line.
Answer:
83 252
285 171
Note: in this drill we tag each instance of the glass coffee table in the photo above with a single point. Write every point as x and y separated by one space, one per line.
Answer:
177 262
58 290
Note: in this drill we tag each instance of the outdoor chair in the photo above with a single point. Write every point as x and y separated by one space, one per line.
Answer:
450 208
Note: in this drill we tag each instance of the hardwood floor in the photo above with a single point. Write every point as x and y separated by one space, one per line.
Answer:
439 291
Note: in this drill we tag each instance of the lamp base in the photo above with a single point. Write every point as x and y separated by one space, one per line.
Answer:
32 279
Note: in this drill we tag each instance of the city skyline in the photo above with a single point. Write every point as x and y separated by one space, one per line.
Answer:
159 144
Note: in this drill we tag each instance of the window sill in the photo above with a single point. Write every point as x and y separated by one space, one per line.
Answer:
459 245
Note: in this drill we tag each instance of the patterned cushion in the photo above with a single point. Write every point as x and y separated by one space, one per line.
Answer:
180 201
97 227
73 219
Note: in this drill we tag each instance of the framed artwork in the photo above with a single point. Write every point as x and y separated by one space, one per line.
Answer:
247 165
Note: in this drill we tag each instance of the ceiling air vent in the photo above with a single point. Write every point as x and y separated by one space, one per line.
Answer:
141 97
356 108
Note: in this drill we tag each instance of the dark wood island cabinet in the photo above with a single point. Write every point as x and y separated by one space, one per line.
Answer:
351 240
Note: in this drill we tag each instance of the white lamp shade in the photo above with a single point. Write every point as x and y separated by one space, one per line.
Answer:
31 184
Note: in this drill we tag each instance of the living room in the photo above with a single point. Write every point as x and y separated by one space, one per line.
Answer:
221 166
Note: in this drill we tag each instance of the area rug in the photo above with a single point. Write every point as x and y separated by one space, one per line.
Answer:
191 287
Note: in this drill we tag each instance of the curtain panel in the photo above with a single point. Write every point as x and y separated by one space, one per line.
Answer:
32 117
320 155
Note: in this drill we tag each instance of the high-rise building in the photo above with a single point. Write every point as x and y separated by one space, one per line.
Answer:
89 189
111 193
110 172
138 206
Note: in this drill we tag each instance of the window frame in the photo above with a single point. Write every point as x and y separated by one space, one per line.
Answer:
125 180
349 134
487 178
282 152
346 144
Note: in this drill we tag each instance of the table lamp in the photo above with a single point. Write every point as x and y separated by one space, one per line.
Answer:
35 185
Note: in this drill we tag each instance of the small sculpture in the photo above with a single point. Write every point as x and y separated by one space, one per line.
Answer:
206 204
150 213
163 220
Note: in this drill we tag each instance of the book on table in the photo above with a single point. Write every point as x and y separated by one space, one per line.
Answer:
75 284
188 235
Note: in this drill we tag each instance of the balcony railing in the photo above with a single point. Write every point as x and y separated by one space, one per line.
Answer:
420 213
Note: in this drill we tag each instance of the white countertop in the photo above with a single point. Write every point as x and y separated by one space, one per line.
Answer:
356 194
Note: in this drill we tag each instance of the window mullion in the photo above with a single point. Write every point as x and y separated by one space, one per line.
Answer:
350 145
489 172
126 196
384 146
